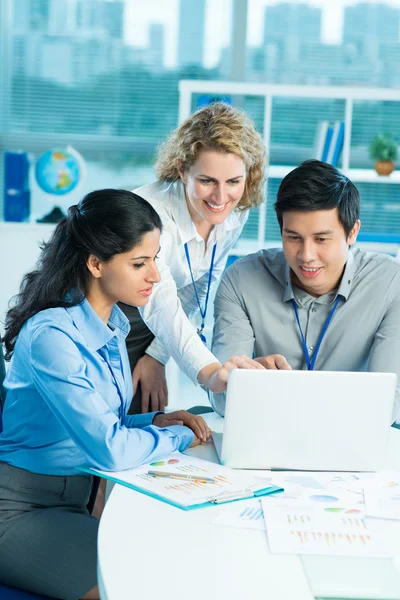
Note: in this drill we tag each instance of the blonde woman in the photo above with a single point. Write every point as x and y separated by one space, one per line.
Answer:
211 171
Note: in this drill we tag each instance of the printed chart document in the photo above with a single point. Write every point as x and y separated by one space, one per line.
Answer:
247 515
333 492
314 531
382 497
189 482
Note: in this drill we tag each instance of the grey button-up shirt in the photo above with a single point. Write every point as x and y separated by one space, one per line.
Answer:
254 316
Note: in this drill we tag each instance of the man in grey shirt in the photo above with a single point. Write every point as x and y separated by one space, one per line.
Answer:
316 301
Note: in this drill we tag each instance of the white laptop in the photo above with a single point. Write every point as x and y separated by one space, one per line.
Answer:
307 420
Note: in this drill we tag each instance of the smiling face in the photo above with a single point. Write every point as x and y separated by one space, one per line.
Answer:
214 185
128 277
316 248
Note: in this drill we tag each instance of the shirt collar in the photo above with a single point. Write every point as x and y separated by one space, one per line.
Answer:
348 276
96 333
288 291
344 287
180 212
187 229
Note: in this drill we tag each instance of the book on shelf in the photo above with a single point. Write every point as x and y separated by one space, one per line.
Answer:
320 139
336 144
189 482
329 142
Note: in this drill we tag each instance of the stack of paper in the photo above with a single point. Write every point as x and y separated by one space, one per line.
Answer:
336 493
382 496
323 513
313 531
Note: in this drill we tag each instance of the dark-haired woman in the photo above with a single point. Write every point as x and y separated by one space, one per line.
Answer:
69 389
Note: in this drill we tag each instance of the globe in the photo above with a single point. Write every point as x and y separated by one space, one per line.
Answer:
59 171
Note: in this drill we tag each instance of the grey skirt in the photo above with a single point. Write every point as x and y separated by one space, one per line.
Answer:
48 540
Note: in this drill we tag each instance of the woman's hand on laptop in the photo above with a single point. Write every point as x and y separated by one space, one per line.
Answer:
215 375
182 417
195 442
274 361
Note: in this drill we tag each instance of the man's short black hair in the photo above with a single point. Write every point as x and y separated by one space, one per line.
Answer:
316 185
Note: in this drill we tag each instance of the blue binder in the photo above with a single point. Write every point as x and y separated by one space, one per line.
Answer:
17 196
327 144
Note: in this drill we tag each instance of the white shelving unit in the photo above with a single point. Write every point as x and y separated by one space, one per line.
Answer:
270 91
356 175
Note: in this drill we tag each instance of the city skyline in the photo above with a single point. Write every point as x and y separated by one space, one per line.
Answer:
88 37
218 23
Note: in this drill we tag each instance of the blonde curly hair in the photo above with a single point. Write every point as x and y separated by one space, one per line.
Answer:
217 127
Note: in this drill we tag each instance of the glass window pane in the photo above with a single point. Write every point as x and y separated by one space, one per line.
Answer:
371 118
295 124
272 231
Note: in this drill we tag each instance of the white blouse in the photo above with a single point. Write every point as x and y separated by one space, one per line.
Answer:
173 301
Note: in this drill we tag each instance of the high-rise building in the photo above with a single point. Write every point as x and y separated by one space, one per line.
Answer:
389 55
39 14
62 18
286 27
191 32
378 21
21 16
156 44
96 18
298 21
333 64
68 41
31 16
113 17
369 26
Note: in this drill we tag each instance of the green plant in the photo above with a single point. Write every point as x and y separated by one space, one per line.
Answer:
383 147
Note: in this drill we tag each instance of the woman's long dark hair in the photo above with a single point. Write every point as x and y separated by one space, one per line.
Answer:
104 223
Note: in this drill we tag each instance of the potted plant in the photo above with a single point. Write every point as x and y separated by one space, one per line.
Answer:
383 149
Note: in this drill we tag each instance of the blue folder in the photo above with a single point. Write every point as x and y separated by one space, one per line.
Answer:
224 498
328 139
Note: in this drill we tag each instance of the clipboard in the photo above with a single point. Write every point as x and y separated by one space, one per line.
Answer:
227 486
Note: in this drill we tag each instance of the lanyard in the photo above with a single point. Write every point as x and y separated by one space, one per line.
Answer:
311 362
202 312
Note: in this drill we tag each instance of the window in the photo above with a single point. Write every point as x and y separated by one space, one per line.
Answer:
102 75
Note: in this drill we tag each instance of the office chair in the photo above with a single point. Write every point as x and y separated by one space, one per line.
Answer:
10 593
2 377
200 410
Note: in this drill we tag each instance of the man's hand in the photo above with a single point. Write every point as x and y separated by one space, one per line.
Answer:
274 362
181 417
151 375
215 376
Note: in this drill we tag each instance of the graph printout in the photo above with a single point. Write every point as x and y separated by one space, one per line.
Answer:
382 501
337 493
313 531
188 492
247 514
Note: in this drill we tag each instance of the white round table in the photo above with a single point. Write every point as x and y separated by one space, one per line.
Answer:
150 550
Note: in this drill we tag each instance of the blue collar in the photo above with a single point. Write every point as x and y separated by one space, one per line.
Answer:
93 329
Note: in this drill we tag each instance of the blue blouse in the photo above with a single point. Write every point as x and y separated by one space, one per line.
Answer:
69 387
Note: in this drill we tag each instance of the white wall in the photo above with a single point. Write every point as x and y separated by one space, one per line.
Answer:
19 251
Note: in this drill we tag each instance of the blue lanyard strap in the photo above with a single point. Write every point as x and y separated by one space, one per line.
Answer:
202 312
311 362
